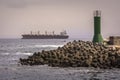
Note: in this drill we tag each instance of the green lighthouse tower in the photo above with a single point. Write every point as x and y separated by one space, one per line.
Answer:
97 27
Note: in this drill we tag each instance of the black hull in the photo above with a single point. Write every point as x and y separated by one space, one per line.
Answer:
45 36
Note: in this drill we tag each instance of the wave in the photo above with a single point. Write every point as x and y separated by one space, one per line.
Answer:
5 53
44 46
20 53
17 53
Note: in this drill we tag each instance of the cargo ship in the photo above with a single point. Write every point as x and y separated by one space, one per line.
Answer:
62 35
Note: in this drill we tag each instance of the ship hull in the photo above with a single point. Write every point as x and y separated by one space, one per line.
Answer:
45 36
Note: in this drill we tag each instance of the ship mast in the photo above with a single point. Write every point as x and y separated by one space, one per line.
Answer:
45 32
38 32
31 32
53 32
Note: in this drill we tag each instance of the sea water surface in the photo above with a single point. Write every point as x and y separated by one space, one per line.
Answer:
13 49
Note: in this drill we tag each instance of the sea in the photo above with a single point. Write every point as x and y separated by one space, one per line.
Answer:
13 49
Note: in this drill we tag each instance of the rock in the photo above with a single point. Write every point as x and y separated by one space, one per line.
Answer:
77 54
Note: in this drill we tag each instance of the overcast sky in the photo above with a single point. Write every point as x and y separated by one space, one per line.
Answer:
74 16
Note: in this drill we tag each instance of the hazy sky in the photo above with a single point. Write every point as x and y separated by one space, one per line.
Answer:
74 16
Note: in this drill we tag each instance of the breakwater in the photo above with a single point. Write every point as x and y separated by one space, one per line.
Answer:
77 54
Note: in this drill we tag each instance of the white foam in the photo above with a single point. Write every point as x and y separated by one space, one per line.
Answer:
20 53
48 46
5 53
17 53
